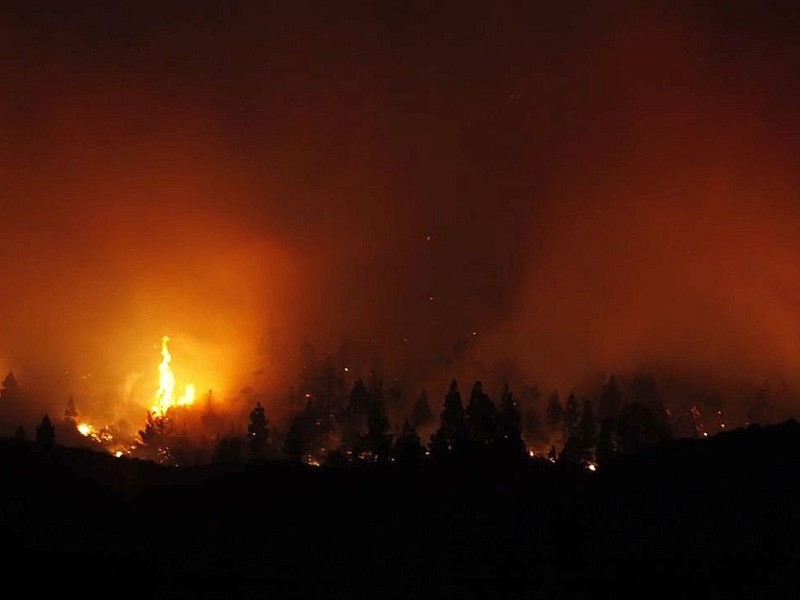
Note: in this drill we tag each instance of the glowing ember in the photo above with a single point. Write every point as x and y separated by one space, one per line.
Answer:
103 436
165 396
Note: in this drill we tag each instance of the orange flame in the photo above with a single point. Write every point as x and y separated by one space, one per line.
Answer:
101 436
166 389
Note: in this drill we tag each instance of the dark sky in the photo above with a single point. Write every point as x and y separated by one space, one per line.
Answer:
571 190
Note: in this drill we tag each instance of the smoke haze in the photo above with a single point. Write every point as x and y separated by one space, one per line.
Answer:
541 194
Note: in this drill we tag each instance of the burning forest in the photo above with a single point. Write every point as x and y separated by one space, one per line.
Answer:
336 417
543 243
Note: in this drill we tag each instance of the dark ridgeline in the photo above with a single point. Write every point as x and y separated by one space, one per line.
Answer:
711 518
342 505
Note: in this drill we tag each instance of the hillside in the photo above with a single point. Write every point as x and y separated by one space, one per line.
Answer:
714 518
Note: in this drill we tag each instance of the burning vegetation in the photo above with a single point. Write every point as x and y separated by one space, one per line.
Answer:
165 396
336 418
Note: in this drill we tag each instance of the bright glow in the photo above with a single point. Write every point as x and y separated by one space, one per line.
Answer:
165 396
102 436
118 453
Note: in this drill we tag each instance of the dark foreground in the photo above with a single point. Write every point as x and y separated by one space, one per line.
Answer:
715 518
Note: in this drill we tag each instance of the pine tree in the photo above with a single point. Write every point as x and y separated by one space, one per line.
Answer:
70 414
645 391
571 415
452 432
327 386
296 444
481 417
579 447
638 427
156 429
421 415
610 399
758 409
608 442
394 395
532 417
587 428
509 429
377 442
358 401
228 450
213 421
354 420
257 429
9 389
408 448
45 433
555 411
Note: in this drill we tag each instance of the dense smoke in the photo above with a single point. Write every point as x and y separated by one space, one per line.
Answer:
475 193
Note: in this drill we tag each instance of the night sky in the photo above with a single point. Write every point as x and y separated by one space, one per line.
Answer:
566 191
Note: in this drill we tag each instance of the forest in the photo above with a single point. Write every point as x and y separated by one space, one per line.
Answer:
333 417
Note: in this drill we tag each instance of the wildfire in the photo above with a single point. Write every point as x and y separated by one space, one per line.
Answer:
102 436
165 396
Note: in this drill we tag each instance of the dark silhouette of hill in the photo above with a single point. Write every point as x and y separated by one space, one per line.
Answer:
711 518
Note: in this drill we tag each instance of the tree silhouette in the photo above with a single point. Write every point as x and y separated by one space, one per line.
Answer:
9 389
229 450
45 433
608 442
638 427
327 386
571 415
645 391
481 417
70 414
257 429
354 420
208 404
394 395
421 414
377 444
408 448
759 407
308 364
555 411
451 435
296 444
579 447
509 430
587 428
532 418
19 434
335 458
213 422
610 399
156 429
359 399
